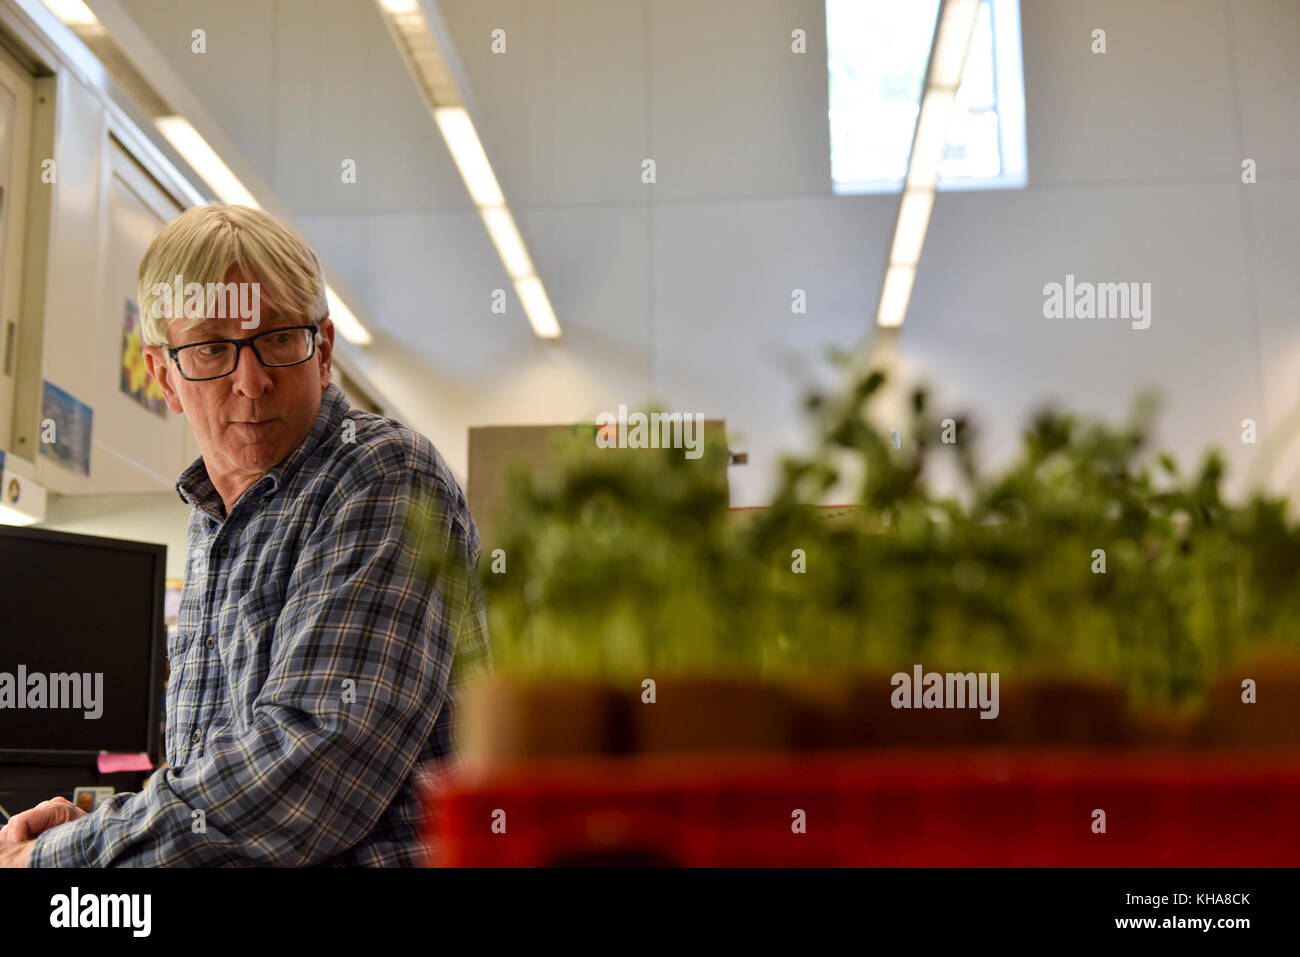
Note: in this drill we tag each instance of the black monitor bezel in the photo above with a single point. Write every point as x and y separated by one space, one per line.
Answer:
157 651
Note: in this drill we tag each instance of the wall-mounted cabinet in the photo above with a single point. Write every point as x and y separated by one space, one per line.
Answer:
17 87
84 411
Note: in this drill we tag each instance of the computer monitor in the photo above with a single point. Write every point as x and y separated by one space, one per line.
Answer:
82 645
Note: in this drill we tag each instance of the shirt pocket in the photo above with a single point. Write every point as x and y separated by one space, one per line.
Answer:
246 650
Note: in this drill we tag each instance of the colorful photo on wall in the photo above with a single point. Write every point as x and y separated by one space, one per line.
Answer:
66 424
135 379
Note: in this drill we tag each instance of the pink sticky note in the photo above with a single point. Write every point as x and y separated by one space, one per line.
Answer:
111 763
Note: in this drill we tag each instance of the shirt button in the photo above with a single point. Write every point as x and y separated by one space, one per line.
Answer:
223 551
211 642
196 735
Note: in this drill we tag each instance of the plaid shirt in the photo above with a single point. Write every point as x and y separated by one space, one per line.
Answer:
310 673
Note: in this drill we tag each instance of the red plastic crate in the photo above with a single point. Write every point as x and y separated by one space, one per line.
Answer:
901 808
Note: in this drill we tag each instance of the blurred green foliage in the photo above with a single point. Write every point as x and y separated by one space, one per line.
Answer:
627 563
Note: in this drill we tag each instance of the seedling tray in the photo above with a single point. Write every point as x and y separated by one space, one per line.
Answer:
994 807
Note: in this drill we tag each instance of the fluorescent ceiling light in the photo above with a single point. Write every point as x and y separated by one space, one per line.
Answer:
538 307
73 13
434 71
510 245
913 221
947 60
458 130
894 297
349 327
194 149
949 56
931 138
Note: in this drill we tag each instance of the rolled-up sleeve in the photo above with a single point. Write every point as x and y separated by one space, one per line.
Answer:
358 670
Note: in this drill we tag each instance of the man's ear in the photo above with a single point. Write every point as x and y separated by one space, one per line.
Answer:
325 350
155 361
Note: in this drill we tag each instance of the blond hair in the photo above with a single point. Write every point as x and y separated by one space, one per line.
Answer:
202 243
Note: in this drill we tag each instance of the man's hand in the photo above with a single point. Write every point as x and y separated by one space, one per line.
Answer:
15 855
47 814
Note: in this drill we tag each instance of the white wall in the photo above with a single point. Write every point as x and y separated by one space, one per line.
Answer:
681 291
161 518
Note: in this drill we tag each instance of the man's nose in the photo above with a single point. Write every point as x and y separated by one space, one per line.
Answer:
250 376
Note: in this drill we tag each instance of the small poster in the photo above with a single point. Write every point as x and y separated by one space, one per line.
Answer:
135 379
65 428
172 600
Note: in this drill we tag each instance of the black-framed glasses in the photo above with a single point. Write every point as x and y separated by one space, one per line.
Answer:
217 358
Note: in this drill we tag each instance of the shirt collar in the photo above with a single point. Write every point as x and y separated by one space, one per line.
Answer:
195 487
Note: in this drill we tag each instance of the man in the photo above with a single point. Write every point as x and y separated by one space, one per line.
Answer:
311 673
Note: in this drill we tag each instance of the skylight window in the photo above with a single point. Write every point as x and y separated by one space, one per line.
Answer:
878 51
